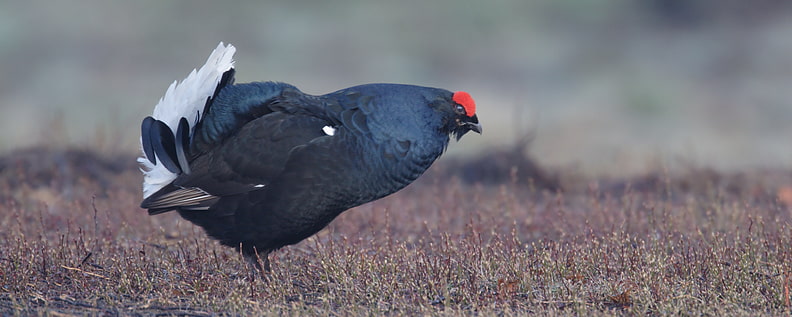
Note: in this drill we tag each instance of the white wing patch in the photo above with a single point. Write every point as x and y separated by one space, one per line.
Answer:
186 99
329 130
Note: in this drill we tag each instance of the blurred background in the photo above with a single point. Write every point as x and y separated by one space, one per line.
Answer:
605 87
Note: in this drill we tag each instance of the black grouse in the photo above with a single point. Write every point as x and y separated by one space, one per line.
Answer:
262 165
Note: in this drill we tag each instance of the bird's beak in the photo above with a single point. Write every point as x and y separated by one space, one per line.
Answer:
469 124
474 126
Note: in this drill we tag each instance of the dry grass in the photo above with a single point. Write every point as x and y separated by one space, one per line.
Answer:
74 242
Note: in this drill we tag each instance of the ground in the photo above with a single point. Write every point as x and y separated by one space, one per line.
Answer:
519 240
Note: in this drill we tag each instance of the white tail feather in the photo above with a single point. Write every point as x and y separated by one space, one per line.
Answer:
186 99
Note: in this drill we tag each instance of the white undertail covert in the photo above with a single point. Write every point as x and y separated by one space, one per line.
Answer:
186 99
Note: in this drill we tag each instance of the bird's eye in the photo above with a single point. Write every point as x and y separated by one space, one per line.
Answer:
459 109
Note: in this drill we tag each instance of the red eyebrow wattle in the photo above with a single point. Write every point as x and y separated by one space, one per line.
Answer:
466 101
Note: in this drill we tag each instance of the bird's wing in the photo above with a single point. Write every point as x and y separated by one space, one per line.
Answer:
246 162
234 107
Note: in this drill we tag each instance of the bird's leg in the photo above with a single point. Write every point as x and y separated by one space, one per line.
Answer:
254 264
255 259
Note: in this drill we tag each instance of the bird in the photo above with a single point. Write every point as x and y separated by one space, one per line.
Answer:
262 165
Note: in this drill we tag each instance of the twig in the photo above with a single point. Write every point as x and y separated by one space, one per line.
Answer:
786 289
85 272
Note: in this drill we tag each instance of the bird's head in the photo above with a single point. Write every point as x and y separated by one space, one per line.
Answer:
460 114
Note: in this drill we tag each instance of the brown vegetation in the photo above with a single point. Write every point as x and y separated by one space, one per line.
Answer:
697 243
